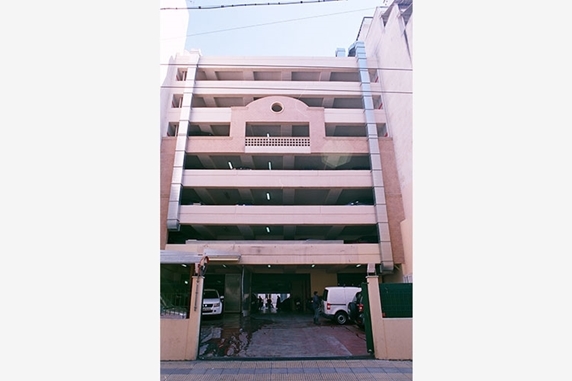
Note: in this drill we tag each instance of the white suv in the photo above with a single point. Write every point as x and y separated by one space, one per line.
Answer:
212 302
335 302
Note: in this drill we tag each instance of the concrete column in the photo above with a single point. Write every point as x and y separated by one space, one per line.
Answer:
377 327
173 223
194 327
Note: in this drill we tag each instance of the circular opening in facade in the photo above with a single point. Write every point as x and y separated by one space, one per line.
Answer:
277 107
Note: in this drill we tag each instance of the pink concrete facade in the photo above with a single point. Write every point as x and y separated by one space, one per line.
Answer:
297 168
300 132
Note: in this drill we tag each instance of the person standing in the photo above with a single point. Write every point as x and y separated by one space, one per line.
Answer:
316 306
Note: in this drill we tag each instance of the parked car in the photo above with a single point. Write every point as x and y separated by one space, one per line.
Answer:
335 302
355 309
212 302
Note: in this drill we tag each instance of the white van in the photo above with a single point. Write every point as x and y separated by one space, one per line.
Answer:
335 302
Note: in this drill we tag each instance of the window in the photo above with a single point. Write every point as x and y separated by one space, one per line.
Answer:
277 107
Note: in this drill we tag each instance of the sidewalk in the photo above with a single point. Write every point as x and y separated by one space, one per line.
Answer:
300 370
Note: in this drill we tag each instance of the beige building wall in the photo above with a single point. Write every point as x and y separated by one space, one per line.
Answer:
397 343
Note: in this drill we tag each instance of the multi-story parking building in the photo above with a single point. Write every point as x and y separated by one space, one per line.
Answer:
284 170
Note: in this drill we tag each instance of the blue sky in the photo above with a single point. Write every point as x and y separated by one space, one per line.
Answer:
307 29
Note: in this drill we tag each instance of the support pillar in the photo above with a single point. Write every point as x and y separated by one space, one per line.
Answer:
377 326
194 327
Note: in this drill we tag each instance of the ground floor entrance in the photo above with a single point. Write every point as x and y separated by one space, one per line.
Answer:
251 290
267 312
280 335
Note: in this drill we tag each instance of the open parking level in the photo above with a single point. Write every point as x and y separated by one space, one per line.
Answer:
279 336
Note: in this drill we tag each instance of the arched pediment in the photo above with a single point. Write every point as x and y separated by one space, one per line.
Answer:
278 108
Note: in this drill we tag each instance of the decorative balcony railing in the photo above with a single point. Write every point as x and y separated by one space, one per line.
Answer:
276 142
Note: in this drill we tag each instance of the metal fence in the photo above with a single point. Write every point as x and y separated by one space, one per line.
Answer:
276 142
174 306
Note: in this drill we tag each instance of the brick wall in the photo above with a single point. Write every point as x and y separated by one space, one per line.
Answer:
393 198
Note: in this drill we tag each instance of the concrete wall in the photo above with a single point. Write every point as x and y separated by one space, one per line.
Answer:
276 179
223 115
392 337
287 253
180 337
322 279
277 214
174 341
397 339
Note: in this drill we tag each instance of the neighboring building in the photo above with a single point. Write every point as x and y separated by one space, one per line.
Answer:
389 40
293 173
173 23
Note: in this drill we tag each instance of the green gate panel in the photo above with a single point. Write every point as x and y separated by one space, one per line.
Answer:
396 299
